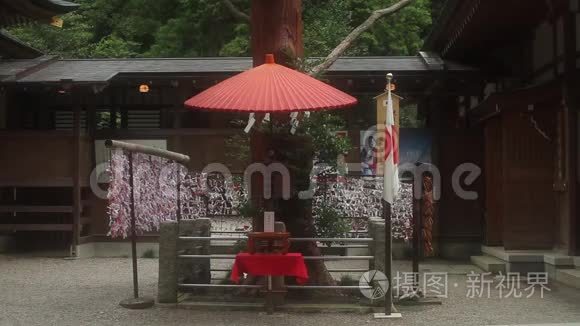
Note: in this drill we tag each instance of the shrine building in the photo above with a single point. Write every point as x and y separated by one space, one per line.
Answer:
501 95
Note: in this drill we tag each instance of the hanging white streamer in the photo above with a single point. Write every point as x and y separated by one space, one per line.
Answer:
266 118
293 122
251 121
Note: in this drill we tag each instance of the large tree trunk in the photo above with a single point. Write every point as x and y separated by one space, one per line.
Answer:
277 28
296 154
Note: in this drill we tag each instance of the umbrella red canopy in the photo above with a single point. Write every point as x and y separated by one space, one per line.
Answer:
270 88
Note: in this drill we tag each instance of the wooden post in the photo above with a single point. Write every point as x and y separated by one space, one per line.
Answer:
136 302
133 229
76 197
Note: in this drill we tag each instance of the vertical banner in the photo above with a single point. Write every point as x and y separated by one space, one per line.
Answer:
381 110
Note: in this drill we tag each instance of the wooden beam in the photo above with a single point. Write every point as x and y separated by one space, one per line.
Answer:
164 133
36 183
136 148
36 227
35 209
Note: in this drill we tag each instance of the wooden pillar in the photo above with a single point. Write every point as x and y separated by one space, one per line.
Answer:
76 151
572 106
123 103
114 109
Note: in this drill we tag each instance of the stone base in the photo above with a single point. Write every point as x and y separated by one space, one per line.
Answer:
115 249
394 315
137 303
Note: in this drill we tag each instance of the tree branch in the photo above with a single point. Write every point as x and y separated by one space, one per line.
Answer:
235 11
350 38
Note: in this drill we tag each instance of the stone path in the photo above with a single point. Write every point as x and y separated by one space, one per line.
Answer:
50 291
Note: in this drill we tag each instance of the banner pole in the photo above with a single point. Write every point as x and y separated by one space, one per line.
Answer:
388 258
387 211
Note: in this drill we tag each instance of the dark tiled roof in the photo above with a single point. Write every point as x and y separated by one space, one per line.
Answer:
11 69
11 47
103 70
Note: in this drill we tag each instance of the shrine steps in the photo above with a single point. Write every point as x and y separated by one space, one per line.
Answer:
560 267
569 276
489 264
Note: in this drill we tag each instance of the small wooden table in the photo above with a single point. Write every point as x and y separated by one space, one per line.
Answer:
268 242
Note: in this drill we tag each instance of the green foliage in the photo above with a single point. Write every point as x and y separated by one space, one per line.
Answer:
329 223
245 209
409 117
73 40
112 46
321 127
184 28
103 119
327 22
240 246
237 149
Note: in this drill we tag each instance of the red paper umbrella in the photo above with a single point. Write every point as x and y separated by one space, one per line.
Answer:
271 88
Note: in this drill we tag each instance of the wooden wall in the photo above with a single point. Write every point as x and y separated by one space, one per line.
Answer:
493 183
41 156
460 220
529 211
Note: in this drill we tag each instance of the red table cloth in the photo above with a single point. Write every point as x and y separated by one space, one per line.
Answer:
290 264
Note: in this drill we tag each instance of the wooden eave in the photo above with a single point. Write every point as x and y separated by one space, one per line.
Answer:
475 27
542 97
26 11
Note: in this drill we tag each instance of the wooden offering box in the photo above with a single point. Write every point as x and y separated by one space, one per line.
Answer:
268 242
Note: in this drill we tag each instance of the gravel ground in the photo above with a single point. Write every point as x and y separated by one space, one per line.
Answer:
50 291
